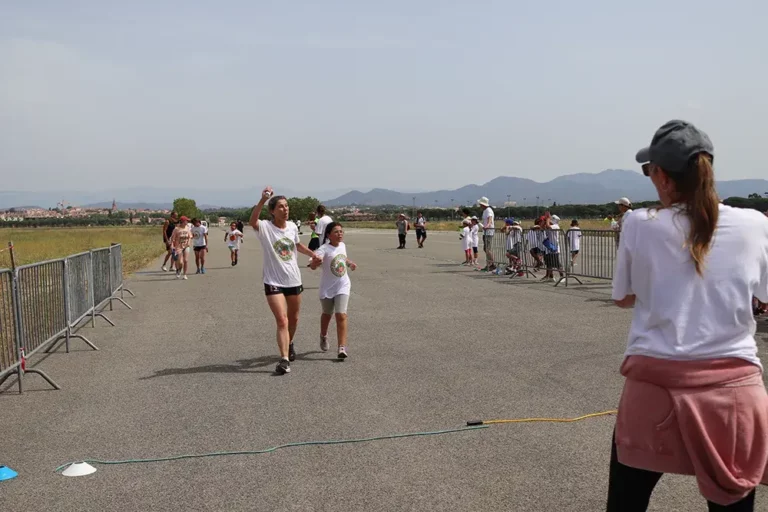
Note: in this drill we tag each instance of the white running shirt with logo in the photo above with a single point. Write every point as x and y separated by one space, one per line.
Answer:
280 266
335 279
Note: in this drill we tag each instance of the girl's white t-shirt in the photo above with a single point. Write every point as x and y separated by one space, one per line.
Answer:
574 238
466 242
232 239
335 279
678 314
475 238
281 268
198 235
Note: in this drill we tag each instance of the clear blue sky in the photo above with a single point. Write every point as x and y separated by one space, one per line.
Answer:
399 94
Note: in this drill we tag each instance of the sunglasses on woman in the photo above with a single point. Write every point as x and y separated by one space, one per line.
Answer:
646 169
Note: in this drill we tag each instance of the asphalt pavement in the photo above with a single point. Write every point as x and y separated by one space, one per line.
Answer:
432 344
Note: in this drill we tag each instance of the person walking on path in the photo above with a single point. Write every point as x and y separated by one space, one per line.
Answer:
199 244
402 230
489 230
335 286
421 230
314 238
694 402
233 237
282 279
181 242
241 227
168 226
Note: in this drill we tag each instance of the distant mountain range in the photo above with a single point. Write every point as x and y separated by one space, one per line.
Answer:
583 188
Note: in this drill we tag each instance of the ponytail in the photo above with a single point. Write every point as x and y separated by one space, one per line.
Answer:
696 189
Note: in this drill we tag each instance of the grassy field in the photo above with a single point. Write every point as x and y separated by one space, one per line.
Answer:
140 244
454 225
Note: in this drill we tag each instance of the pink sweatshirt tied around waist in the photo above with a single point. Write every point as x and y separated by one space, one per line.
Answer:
705 418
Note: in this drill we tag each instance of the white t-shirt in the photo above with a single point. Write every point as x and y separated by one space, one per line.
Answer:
233 240
514 236
473 234
322 222
466 241
552 235
678 314
489 220
620 222
198 235
574 238
335 279
280 266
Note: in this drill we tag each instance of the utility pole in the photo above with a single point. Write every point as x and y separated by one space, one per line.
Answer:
537 207
451 208
413 212
509 200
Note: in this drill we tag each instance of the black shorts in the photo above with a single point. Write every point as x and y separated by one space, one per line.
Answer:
314 244
535 250
474 250
278 290
198 249
421 233
552 260
574 252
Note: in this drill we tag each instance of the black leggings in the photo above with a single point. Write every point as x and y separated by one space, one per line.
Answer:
630 489
402 239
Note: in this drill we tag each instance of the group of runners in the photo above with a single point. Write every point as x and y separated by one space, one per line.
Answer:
180 237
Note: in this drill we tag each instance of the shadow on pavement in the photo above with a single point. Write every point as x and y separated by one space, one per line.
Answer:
240 366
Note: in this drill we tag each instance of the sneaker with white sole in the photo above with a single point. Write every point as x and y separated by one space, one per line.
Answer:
283 367
164 268
343 353
291 352
324 343
185 277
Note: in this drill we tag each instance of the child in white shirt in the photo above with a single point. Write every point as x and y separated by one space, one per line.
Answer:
233 238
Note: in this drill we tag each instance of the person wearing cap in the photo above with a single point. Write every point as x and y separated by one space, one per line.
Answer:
625 208
181 241
514 245
489 229
402 230
694 402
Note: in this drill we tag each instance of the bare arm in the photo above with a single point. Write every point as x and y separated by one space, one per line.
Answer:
351 264
303 249
165 230
265 195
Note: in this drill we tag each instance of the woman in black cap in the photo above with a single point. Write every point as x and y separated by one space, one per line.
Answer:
694 402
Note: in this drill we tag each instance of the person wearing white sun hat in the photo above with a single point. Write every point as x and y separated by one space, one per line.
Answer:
489 229
625 208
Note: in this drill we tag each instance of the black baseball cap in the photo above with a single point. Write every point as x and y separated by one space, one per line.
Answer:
674 144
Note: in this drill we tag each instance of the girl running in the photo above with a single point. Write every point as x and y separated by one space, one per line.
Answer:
233 238
200 244
334 285
181 241
282 280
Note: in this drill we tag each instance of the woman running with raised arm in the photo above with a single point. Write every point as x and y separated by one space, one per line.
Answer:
282 279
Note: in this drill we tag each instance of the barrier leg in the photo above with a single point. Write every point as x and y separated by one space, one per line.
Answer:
20 373
66 337
119 300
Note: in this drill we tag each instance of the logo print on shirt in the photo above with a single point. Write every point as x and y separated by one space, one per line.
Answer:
339 265
284 248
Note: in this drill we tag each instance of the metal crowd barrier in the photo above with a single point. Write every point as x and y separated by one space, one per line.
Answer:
44 303
570 254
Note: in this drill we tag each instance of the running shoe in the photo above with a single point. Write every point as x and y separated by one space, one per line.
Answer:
202 270
291 353
197 271
185 277
233 263
178 274
165 269
343 353
283 367
324 343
